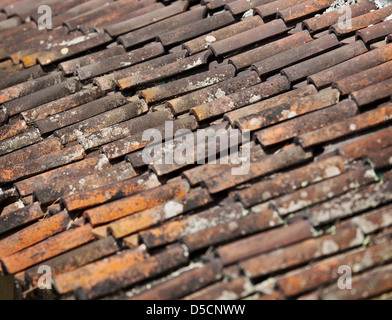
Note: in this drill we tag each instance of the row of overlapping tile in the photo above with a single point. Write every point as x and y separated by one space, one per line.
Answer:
78 196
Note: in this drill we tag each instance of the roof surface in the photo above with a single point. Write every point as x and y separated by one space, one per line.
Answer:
313 89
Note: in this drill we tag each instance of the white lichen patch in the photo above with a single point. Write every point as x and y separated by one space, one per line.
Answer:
171 209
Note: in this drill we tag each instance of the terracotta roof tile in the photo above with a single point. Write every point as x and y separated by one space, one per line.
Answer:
110 192
84 167
290 181
211 93
326 20
366 285
184 284
150 217
306 123
301 253
201 43
324 62
94 272
195 29
33 234
264 242
249 37
354 65
325 271
362 21
78 99
147 18
338 130
76 258
165 71
177 229
125 277
351 203
288 110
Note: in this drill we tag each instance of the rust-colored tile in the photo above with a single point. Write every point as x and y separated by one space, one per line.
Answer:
229 231
326 271
292 180
121 22
206 171
95 272
100 176
248 37
69 67
295 55
241 98
187 84
55 176
110 192
233 290
125 129
58 106
286 97
367 144
163 72
40 97
324 61
24 139
12 129
247 58
302 252
76 258
201 43
326 20
20 217
194 29
306 123
185 103
269 164
303 9
47 249
351 203
354 65
33 234
151 267
113 63
271 8
375 92
138 202
264 242
364 286
288 110
41 164
149 32
324 190
362 21
147 218
185 283
22 76
131 110
135 142
126 10
57 55
80 113
381 159
146 19
347 127
372 221
364 79
175 230
375 33
109 82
